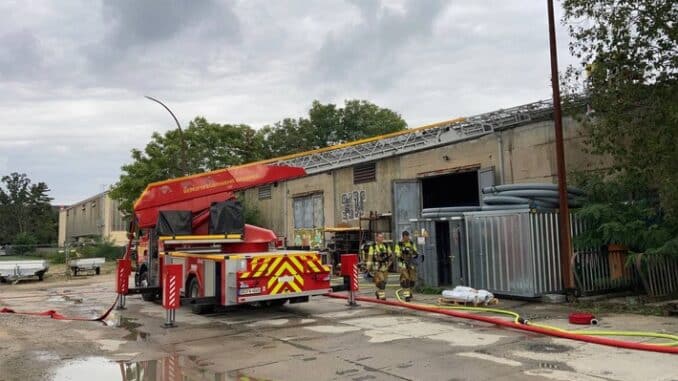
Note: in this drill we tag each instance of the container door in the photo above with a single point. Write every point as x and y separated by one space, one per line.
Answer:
406 205
457 246
424 235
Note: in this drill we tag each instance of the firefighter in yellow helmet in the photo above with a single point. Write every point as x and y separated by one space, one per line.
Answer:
379 260
407 255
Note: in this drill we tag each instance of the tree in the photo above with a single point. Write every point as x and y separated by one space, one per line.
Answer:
328 125
210 146
25 210
629 53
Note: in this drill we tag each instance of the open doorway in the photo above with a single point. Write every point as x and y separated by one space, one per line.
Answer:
454 189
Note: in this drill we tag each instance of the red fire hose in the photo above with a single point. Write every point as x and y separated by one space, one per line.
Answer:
52 314
522 327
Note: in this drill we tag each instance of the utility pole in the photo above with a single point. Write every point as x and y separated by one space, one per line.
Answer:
184 161
564 215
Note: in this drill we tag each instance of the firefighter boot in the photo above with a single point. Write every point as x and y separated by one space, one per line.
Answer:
407 294
380 283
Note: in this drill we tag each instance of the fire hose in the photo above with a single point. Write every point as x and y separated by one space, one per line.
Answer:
52 314
522 324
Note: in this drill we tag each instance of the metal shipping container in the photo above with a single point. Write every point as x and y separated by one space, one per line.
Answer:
443 249
513 252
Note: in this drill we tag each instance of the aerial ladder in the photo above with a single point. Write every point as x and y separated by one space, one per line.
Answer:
196 222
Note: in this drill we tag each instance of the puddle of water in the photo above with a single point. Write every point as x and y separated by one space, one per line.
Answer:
172 367
132 326
91 368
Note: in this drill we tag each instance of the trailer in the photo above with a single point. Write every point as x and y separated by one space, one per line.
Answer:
80 265
196 222
17 270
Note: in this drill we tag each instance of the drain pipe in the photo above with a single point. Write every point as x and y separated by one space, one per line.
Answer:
500 147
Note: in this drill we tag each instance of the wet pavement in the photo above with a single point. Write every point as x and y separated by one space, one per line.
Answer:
320 340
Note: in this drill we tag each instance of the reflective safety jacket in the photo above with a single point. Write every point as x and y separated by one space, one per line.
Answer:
379 257
405 253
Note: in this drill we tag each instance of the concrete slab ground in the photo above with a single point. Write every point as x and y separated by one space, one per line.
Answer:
319 340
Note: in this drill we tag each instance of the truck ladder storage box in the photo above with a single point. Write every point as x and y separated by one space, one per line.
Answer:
252 277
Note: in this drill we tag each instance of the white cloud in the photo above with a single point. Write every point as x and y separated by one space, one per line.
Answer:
74 73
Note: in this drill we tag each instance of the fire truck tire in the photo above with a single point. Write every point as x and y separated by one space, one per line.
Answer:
97 270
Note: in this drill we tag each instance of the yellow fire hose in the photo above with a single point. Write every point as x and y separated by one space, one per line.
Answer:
518 319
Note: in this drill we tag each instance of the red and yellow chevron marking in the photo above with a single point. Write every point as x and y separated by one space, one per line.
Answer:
270 265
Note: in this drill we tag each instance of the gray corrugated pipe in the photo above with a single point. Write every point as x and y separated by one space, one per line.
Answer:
531 186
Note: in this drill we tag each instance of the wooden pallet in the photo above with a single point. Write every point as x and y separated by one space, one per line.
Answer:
454 302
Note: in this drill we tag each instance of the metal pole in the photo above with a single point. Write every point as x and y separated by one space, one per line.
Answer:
564 215
184 147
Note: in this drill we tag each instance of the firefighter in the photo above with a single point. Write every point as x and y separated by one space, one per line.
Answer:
379 260
407 255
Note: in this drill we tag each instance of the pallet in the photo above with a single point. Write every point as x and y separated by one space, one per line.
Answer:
453 302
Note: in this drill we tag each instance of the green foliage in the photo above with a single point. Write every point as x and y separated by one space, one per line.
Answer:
209 146
617 212
24 243
101 248
25 210
628 51
251 213
327 125
212 146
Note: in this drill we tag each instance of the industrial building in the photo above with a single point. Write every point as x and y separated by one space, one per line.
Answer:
389 179
439 165
94 218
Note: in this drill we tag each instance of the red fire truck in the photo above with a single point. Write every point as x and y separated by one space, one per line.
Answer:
195 221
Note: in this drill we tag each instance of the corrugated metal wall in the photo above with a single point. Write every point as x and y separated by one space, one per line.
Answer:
428 270
513 252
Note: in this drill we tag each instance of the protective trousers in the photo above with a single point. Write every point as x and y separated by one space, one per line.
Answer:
380 278
408 275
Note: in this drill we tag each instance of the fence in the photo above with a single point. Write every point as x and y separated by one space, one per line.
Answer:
598 271
659 274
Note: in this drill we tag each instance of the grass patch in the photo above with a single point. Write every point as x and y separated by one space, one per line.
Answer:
427 290
616 308
19 257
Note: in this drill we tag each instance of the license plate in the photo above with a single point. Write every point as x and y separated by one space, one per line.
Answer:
250 291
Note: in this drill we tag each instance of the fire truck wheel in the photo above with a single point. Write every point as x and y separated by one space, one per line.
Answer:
97 270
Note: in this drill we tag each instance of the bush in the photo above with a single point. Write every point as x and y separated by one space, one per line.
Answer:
56 257
101 248
24 243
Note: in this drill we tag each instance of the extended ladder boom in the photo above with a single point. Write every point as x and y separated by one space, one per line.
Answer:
197 192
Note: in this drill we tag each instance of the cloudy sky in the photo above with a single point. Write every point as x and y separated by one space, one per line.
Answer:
73 73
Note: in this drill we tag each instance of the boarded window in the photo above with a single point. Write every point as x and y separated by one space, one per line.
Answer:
265 192
308 212
364 173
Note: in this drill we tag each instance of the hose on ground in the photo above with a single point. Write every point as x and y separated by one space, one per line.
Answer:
531 327
518 319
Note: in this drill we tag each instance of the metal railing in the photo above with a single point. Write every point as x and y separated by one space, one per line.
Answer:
598 272
658 273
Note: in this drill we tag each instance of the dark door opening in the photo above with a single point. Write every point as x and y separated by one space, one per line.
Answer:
455 189
443 248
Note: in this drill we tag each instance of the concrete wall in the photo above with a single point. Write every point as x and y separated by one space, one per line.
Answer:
521 154
97 216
